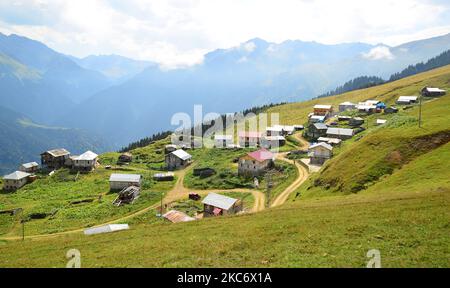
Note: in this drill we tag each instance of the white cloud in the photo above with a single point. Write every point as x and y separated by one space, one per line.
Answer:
249 47
179 32
379 53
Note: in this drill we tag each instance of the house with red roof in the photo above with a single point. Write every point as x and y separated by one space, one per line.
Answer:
256 163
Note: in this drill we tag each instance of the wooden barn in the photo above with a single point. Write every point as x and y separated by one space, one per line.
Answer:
433 92
219 205
55 159
31 167
317 130
340 133
125 158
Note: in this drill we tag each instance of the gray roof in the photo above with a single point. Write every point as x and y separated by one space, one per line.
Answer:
18 175
58 152
125 178
340 131
87 156
30 165
320 126
183 155
219 201
322 144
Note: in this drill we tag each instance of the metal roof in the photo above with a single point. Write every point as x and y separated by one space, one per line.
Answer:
125 178
18 175
320 126
407 98
30 165
177 217
431 89
321 144
57 152
183 155
340 131
319 106
106 229
220 201
87 156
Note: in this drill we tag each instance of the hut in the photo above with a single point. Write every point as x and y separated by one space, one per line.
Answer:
390 110
126 157
331 141
271 142
177 217
178 159
127 196
340 133
323 110
170 148
356 121
55 159
31 167
274 131
255 163
15 180
170 176
299 127
122 181
204 172
319 153
432 92
219 205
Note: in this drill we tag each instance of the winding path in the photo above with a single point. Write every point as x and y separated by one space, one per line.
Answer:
179 191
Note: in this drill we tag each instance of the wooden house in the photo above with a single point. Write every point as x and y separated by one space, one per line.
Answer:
249 139
271 142
432 92
255 163
86 162
317 130
31 167
55 159
219 205
340 133
323 110
164 176
122 181
319 153
356 121
178 159
15 180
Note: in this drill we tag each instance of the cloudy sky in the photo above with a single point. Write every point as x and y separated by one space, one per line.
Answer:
179 32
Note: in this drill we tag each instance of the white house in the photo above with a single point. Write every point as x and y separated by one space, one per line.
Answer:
121 181
223 141
406 100
346 106
15 180
255 163
85 162
319 153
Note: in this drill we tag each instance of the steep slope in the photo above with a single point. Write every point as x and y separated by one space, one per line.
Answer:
22 140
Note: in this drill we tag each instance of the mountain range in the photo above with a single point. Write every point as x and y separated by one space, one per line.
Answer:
122 99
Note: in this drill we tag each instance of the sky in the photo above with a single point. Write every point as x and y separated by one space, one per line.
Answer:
177 33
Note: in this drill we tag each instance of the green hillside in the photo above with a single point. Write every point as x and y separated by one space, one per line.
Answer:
387 188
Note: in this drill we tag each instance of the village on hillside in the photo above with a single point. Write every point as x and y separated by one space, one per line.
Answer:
258 165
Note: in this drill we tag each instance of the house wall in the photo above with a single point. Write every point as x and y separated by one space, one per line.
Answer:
339 136
51 162
174 163
10 185
29 170
253 168
121 185
322 112
85 165
343 108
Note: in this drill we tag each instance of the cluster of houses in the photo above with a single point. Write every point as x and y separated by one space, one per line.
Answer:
50 160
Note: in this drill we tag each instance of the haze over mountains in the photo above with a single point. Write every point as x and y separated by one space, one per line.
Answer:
122 99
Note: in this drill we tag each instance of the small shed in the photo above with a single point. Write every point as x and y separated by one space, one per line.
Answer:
175 216
274 131
390 110
433 92
85 162
323 110
331 141
356 121
164 176
381 121
271 142
127 196
299 127
317 130
204 172
122 181
218 205
170 148
319 153
344 118
340 133
178 159
15 180
316 119
31 167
